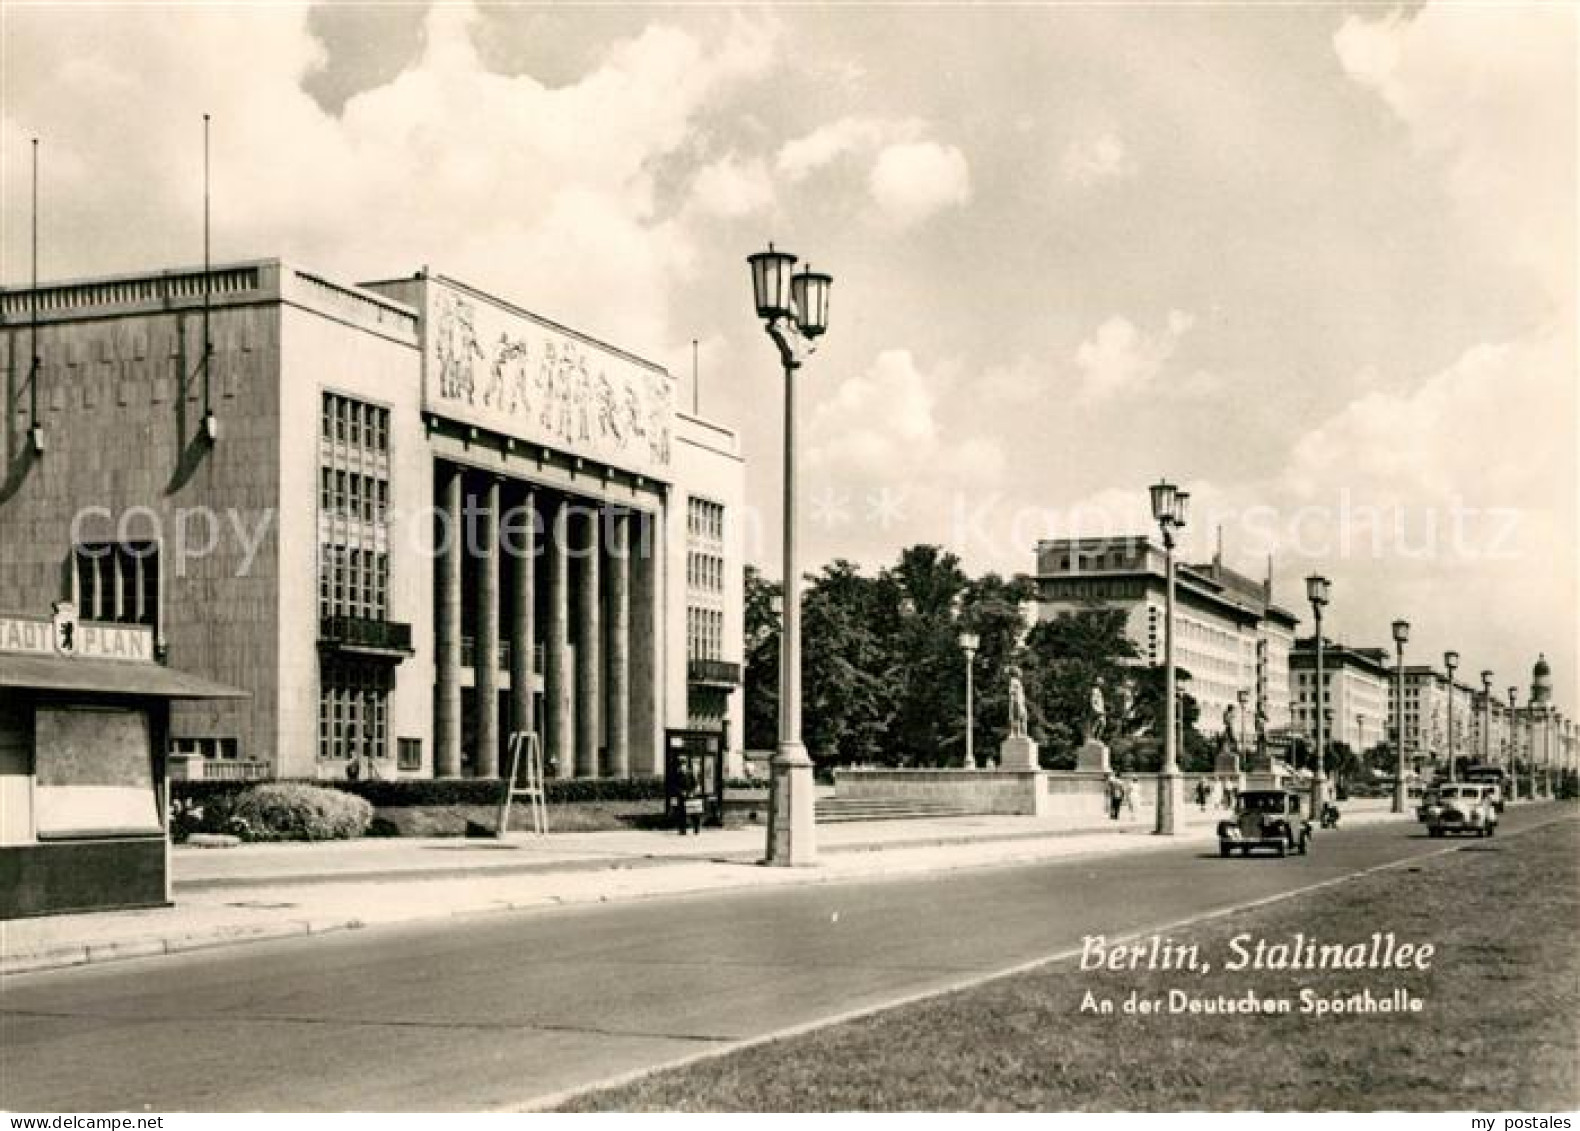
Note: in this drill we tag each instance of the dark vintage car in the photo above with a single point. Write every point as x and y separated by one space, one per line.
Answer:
1266 818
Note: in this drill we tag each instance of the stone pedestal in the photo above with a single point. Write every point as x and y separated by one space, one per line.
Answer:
1017 752
1171 805
1226 764
1092 757
792 834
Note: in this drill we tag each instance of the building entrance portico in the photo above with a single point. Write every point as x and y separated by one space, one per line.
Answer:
547 608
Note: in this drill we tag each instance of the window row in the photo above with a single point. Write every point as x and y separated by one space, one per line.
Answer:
353 583
353 495
117 582
212 749
705 572
357 424
353 712
704 519
704 633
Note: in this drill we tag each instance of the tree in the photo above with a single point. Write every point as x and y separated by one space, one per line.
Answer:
993 608
915 614
1065 658
761 650
847 701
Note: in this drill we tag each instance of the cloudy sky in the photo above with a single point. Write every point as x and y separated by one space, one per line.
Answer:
1315 263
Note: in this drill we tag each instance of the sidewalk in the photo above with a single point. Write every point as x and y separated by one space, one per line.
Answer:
271 891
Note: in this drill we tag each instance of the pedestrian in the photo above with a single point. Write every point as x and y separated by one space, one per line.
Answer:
1130 794
1202 793
1116 796
690 802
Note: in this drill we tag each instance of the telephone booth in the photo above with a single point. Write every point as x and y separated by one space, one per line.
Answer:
702 752
84 712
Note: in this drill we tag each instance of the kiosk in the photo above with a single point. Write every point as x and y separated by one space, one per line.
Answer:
84 711
701 752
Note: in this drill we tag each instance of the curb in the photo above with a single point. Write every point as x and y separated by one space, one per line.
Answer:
96 953
650 860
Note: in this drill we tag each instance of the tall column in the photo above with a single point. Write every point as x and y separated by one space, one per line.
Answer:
589 649
521 548
617 716
647 643
447 630
556 650
486 654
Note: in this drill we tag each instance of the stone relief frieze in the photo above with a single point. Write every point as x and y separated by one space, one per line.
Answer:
493 368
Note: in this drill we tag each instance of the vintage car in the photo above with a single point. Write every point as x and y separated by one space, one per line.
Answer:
1265 818
1464 808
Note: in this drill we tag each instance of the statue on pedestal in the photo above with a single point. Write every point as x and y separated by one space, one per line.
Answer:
1018 751
1093 753
1017 705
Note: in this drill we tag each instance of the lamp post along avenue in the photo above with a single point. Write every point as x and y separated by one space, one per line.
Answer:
1318 592
1486 718
969 642
1169 505
1401 793
1243 698
1451 663
1514 743
794 308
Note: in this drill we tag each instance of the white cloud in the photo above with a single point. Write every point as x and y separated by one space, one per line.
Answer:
1120 357
1089 161
882 430
732 187
543 194
1490 90
1488 93
800 158
909 178
912 181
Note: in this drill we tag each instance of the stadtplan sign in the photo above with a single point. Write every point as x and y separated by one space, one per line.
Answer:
66 636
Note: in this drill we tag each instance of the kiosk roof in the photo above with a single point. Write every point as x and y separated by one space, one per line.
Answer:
108 677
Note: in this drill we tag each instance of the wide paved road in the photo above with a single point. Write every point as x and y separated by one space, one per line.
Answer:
494 1011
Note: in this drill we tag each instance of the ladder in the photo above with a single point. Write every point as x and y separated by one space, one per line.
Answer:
525 781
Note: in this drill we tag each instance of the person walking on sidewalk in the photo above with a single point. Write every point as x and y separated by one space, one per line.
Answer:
691 805
1116 796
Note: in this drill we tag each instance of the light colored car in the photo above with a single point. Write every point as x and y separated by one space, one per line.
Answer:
1466 807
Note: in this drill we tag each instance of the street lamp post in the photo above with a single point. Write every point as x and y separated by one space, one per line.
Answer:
1451 662
1401 793
1514 740
969 641
1486 718
1319 592
1243 698
1168 509
794 308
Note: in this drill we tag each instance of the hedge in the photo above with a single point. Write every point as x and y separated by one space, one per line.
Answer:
391 793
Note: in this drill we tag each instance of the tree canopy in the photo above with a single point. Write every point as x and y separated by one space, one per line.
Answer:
884 674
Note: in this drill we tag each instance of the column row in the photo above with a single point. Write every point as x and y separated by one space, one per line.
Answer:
598 573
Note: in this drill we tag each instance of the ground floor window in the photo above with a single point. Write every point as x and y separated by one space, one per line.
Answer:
353 710
213 749
409 752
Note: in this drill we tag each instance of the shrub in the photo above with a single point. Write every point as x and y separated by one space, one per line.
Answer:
295 811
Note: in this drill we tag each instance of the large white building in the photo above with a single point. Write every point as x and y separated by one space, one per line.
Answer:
435 518
1231 638
1355 693
1427 712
